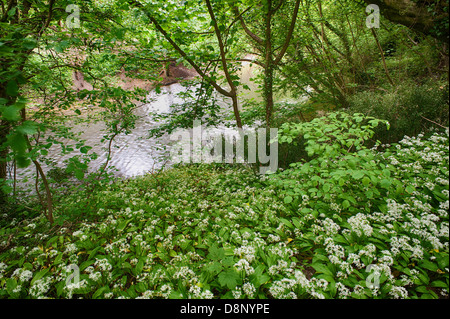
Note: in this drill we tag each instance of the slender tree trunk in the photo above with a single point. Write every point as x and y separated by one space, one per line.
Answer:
4 131
268 72
49 198
268 93
233 90
237 116
382 57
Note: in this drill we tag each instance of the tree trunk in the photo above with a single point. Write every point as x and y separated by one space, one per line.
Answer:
237 115
268 71
427 17
268 93
4 131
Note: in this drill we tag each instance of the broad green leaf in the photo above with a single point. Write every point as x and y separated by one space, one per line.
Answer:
12 88
385 183
229 278
39 275
287 223
323 269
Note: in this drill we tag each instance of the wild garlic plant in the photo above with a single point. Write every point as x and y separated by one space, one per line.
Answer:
349 222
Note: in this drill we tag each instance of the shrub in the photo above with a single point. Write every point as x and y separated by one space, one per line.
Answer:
411 109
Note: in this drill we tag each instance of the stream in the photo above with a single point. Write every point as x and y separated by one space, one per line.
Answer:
135 154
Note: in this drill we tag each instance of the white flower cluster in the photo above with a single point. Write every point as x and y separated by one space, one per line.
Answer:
331 228
103 264
3 266
286 287
40 287
249 289
246 252
360 225
186 273
197 293
244 265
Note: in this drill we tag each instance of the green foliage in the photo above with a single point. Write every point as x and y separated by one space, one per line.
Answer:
198 104
217 231
358 207
343 217
409 108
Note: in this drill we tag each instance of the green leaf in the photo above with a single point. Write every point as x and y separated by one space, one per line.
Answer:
366 181
345 204
79 174
39 275
138 268
85 149
288 199
58 259
428 265
229 278
358 174
12 88
11 284
409 189
228 261
123 224
28 128
99 292
287 223
439 283
385 183
214 268
321 268
216 253
12 112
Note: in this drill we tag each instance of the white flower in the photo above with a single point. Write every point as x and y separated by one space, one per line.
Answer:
75 285
244 265
95 276
249 289
273 238
398 292
26 275
70 248
246 252
360 225
237 293
331 228
103 264
77 233
282 265
40 287
343 292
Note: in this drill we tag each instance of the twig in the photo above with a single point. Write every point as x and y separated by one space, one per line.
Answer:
433 122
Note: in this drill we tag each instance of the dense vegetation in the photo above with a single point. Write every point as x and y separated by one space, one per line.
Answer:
358 208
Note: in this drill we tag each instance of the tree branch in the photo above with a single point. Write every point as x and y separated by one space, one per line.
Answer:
49 17
180 50
290 32
221 46
246 29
